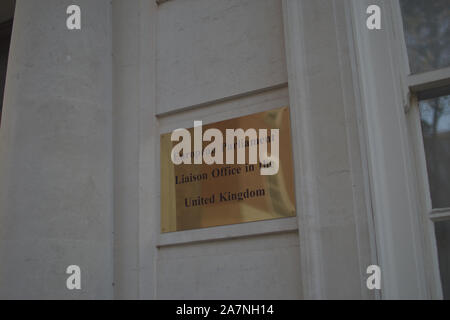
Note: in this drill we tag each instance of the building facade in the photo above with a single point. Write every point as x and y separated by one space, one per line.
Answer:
83 112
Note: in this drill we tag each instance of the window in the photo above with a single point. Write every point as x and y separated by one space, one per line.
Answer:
427 33
426 27
5 37
442 232
435 122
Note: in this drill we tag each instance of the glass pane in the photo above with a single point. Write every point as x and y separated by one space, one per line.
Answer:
435 118
427 33
442 231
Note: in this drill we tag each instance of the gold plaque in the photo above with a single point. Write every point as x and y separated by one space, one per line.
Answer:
200 195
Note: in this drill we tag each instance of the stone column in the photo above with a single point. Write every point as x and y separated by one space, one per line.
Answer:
56 153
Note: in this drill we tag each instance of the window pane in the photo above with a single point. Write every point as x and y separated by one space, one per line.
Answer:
5 38
435 118
442 231
427 33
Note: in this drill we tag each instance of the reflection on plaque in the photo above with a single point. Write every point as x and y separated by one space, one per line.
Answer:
200 195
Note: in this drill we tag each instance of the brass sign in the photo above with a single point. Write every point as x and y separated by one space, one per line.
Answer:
200 195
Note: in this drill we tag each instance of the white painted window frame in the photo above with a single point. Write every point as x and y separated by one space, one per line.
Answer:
404 232
414 84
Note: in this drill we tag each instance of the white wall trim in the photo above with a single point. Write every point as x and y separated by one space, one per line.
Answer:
228 232
148 152
305 183
333 215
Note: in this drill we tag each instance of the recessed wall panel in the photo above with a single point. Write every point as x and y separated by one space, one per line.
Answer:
213 49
